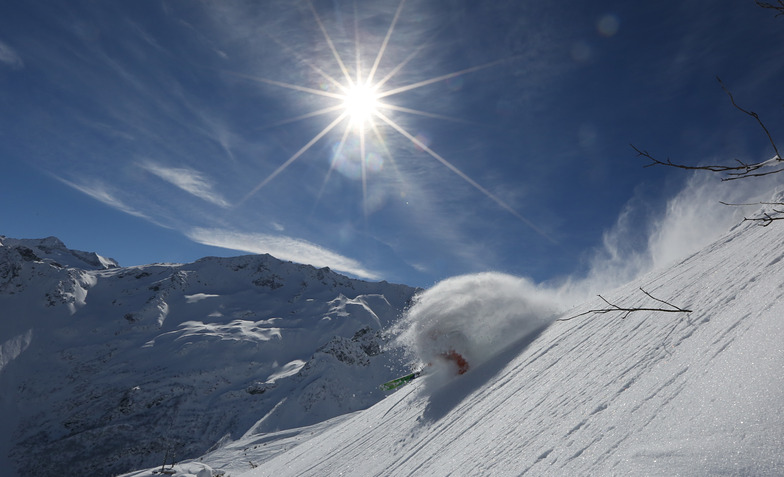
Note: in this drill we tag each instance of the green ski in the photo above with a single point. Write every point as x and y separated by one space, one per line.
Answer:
397 382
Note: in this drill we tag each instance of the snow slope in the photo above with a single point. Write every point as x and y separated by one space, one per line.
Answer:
104 369
651 393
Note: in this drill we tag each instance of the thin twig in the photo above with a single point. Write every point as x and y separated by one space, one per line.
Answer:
779 8
740 171
752 114
766 218
628 311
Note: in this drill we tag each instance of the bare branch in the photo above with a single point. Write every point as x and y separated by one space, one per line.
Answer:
627 311
743 176
745 168
778 8
740 171
754 203
767 217
676 308
752 114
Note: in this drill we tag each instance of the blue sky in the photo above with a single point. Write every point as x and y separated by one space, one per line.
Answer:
164 131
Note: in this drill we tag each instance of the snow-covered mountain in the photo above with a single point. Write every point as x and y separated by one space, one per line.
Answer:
594 393
104 369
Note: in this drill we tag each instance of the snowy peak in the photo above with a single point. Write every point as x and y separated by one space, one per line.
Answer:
266 271
53 251
104 369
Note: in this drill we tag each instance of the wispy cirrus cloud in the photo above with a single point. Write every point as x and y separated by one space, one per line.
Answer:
282 247
102 193
189 180
10 57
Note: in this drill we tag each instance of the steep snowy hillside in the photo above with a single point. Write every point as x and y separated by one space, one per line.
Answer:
105 369
644 393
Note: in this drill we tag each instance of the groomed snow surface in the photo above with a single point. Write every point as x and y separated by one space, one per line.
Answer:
648 393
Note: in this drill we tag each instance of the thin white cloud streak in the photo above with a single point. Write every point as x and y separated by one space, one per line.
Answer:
281 247
9 57
189 180
100 192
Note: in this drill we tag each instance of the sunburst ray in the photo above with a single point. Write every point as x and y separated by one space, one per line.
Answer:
407 59
461 174
331 45
384 43
426 114
295 54
337 152
312 114
436 79
295 156
295 87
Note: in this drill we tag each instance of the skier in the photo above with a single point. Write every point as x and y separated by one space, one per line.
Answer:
451 356
457 359
439 346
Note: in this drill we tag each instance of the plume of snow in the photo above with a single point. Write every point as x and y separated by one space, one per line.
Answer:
641 242
476 316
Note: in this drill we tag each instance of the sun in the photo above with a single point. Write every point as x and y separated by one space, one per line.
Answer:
361 103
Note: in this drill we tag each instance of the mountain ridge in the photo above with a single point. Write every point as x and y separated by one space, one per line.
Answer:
104 368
